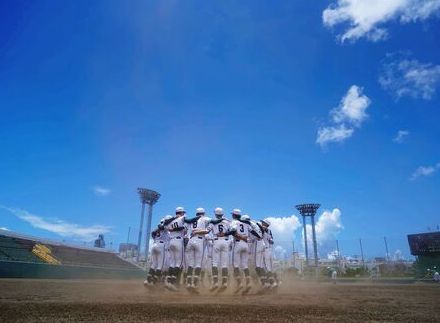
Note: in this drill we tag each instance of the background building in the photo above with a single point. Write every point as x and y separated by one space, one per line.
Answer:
426 248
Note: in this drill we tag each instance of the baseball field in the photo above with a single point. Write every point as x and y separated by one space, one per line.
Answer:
128 301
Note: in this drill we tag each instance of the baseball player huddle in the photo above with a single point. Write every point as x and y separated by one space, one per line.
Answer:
184 249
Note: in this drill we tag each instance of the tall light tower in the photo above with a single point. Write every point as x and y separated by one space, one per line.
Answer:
150 198
309 210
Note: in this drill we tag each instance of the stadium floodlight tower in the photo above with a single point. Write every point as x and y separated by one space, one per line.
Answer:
309 210
150 198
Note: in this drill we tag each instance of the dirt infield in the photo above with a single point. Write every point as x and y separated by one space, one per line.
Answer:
129 301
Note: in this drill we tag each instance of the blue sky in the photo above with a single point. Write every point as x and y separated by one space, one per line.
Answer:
220 104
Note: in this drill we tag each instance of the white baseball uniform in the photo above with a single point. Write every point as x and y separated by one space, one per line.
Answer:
258 245
186 235
158 250
195 249
176 242
207 262
240 249
166 263
220 256
268 251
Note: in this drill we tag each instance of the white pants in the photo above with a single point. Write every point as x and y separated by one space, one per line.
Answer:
207 261
195 251
166 263
176 253
259 253
220 254
268 260
158 255
240 255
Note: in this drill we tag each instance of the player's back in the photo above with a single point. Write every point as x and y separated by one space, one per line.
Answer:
201 223
257 228
220 227
161 235
268 237
241 228
176 224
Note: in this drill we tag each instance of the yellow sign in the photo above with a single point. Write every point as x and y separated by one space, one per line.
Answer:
45 253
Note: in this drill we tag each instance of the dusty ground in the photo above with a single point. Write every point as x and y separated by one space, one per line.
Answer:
128 301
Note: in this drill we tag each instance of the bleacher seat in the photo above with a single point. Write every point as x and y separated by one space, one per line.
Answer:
69 255
17 249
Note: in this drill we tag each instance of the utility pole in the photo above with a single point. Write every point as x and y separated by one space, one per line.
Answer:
128 235
362 253
386 249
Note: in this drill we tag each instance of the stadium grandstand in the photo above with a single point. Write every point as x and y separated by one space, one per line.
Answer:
29 257
426 247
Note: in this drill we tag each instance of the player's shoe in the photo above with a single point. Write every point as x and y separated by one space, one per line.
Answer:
148 284
213 287
239 288
222 288
170 286
247 288
274 285
192 289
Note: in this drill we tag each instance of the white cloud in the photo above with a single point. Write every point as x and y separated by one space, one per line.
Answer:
3 228
408 77
400 136
352 107
419 10
283 230
64 229
398 255
101 191
424 171
333 134
327 228
366 18
350 113
280 252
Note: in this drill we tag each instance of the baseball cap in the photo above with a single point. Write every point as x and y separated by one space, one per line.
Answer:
236 212
265 222
180 209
